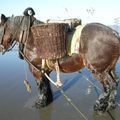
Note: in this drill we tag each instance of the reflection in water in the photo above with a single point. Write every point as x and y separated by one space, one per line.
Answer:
89 90
46 113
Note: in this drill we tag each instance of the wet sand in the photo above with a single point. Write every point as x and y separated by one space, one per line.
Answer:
17 104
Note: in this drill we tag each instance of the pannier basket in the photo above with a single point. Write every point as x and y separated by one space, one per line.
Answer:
50 39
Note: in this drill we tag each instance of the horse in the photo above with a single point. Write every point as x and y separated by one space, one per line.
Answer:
99 51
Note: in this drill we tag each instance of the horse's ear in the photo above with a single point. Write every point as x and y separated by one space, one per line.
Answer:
3 18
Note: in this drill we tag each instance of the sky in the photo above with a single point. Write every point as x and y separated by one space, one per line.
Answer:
102 11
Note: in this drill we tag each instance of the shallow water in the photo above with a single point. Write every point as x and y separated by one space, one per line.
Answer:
17 104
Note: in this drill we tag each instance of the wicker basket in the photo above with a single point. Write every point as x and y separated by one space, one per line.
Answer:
50 40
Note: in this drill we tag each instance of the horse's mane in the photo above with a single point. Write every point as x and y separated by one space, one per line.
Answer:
15 22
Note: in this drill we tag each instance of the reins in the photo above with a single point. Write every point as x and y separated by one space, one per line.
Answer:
9 48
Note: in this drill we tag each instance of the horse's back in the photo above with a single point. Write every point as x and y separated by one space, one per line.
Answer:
99 45
97 28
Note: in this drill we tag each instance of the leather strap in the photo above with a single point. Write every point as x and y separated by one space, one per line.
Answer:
1 34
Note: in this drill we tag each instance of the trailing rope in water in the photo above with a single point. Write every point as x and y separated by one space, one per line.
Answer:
90 81
71 102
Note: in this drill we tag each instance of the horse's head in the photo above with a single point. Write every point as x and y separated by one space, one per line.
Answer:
9 29
4 32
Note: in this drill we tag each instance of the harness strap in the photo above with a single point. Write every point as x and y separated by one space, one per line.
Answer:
21 36
47 63
26 31
24 34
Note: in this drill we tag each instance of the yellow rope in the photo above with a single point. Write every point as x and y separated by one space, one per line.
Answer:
47 63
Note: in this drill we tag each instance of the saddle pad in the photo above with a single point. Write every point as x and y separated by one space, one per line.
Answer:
74 39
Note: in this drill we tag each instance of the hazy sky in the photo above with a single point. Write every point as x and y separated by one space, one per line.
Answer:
104 11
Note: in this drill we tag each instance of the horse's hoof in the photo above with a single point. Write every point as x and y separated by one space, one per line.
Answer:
100 106
44 102
40 104
112 104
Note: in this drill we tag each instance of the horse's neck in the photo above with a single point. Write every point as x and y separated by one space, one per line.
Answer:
26 23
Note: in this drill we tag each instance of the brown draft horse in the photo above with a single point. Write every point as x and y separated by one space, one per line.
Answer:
99 51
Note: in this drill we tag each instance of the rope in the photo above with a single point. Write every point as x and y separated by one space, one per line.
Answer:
50 79
74 106
90 82
9 49
63 93
29 61
25 72
27 85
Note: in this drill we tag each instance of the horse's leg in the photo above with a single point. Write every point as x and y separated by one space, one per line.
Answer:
112 98
102 101
44 89
45 96
107 99
114 76
58 82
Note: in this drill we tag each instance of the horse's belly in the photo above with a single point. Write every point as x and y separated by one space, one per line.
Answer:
71 63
